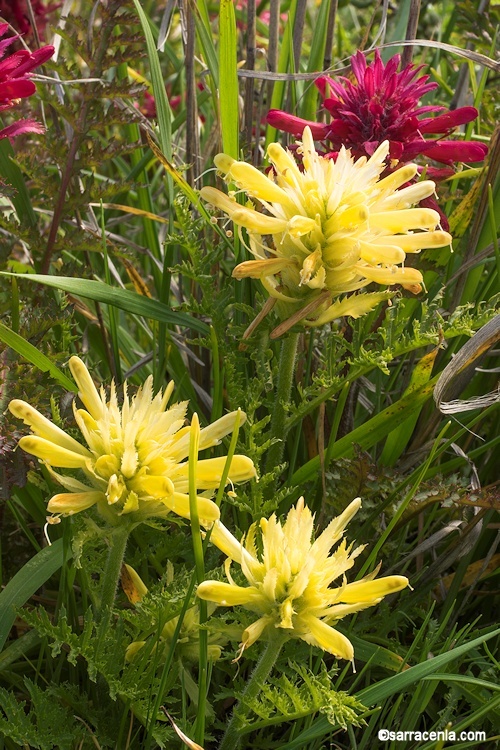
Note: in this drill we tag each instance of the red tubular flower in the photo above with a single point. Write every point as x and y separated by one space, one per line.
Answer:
15 82
383 104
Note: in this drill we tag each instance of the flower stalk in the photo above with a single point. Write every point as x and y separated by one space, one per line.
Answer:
283 391
118 543
231 739
194 443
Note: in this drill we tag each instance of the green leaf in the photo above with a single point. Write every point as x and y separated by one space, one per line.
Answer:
121 298
31 577
33 355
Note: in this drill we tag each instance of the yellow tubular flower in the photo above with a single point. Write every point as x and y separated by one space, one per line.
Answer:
336 227
291 581
134 461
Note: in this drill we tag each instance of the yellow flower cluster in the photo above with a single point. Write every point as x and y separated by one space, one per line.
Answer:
336 227
290 583
134 458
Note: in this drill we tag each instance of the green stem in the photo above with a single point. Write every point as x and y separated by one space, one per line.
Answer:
111 575
283 390
231 739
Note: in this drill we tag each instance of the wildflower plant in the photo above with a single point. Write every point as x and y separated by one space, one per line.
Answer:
163 581
291 587
290 582
135 455
336 228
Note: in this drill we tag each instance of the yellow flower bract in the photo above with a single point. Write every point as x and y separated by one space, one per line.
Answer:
134 460
290 583
336 227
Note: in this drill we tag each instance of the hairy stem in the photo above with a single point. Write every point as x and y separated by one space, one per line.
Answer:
231 739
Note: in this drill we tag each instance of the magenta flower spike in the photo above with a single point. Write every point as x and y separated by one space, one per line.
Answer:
382 104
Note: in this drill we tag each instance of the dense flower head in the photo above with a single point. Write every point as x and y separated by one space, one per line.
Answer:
290 581
15 82
336 227
134 458
384 104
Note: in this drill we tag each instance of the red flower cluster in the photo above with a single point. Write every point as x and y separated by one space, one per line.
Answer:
383 104
15 82
16 13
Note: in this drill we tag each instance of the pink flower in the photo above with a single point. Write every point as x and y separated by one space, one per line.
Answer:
15 81
383 104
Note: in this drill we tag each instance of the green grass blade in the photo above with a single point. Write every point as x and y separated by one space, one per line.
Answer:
228 84
121 298
163 111
31 577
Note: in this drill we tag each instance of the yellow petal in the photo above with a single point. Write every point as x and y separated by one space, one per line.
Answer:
209 472
87 390
284 162
257 184
392 275
223 162
403 221
133 649
226 594
219 199
412 243
254 269
398 178
52 453
157 487
257 222
353 216
318 633
213 434
375 254
179 503
106 466
255 630
68 503
44 428
408 196
365 592
298 226
230 546
209 436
